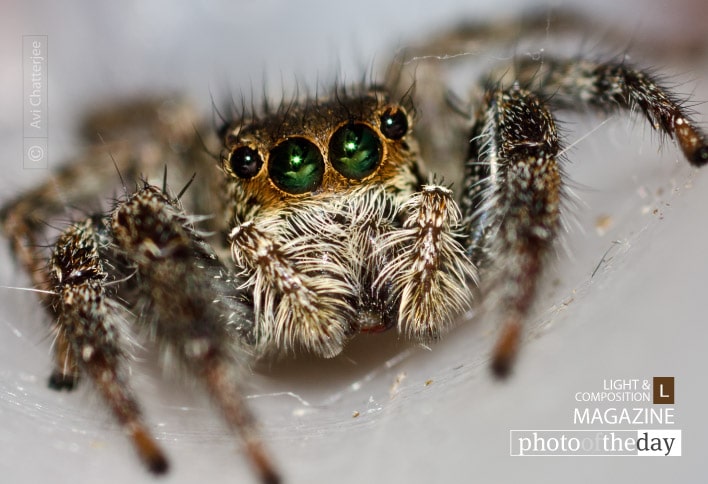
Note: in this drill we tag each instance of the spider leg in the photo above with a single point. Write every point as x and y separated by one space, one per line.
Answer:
23 219
66 373
511 204
431 270
512 187
578 84
139 138
302 295
194 307
89 335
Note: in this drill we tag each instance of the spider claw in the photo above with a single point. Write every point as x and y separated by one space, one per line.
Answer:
506 350
227 396
148 450
692 141
60 381
259 458
700 156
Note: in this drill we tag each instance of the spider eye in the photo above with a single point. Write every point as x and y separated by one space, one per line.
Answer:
296 166
355 151
245 162
394 123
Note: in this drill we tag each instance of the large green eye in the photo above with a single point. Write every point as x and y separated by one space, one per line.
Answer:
355 151
296 166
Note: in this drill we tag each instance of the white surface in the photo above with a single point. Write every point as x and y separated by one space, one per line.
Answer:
641 315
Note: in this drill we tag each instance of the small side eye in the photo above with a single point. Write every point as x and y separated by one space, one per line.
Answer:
245 162
355 151
296 166
394 123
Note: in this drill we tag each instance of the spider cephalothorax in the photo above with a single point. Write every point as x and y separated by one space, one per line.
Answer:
333 229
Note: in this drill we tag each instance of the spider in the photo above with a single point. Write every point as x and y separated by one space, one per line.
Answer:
317 222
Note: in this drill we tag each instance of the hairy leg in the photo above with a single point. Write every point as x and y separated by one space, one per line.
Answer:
302 294
514 122
193 306
511 205
430 270
608 86
89 336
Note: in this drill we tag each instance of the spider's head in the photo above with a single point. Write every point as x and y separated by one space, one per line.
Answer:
317 148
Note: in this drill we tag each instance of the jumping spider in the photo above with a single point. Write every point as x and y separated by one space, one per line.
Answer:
332 226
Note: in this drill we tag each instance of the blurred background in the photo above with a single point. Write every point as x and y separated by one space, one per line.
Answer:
624 302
